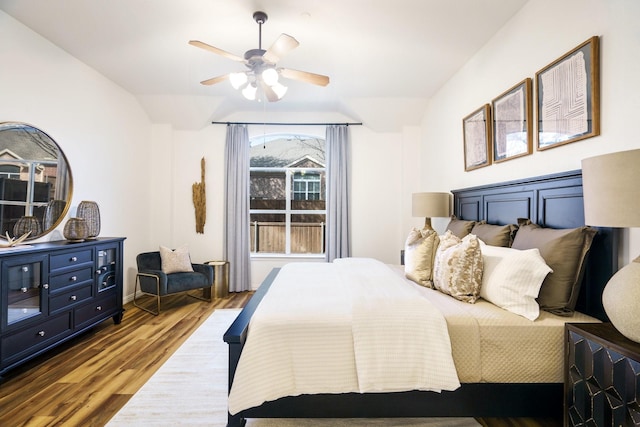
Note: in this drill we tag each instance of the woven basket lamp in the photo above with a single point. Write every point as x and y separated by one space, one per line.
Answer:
90 212
27 224
75 230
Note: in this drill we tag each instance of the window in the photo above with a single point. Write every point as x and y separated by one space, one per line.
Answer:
287 195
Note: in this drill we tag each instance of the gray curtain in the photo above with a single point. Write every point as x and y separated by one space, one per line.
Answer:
236 216
338 152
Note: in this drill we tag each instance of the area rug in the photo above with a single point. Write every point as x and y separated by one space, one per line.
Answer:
190 389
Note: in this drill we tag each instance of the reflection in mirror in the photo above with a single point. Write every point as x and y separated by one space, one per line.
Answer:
35 181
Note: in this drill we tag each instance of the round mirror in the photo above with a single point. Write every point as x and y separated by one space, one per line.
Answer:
35 182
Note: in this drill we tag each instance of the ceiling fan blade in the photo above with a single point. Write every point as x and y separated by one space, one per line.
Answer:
283 45
304 76
215 80
269 93
215 50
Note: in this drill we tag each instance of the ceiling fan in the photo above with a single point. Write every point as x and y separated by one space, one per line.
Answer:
262 71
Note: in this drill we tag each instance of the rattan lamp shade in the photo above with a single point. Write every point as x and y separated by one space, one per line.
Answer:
610 188
430 205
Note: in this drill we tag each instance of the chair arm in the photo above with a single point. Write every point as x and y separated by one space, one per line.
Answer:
205 269
151 280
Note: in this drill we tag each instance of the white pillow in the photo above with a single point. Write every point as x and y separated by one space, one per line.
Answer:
512 279
175 261
419 255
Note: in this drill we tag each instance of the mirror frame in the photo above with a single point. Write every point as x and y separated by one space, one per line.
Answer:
69 178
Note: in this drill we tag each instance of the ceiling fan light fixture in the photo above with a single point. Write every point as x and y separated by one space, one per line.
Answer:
279 89
270 76
238 80
249 92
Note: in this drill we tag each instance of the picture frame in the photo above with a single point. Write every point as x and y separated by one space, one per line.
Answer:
512 122
568 97
476 128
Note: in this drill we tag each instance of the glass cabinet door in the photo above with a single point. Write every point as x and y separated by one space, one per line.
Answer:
106 268
24 283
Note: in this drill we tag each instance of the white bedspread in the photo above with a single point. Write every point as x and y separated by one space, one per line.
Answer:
379 335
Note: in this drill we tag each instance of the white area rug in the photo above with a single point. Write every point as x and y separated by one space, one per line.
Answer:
190 389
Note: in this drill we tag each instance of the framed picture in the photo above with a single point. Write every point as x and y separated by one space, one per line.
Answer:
513 122
476 129
568 97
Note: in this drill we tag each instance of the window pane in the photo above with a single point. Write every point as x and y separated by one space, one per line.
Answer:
268 233
307 234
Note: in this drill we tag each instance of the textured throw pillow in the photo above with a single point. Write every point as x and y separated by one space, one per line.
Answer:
419 254
457 269
512 278
495 235
459 227
565 251
175 261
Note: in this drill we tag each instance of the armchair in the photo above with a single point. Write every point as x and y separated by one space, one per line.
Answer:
153 281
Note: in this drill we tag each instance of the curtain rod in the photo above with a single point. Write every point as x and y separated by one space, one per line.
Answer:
285 124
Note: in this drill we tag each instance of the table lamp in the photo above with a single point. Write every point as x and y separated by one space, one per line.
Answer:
430 205
610 184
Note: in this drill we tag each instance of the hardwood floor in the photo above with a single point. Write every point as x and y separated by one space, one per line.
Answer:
87 380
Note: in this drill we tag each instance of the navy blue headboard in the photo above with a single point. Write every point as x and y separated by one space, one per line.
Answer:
550 201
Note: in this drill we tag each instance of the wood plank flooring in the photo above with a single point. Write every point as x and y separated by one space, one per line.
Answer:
87 380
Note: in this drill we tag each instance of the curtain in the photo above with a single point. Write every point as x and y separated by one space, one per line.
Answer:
236 216
338 152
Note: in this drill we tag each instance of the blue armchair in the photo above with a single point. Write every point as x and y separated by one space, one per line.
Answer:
153 281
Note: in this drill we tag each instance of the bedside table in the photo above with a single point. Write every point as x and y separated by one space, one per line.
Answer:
602 376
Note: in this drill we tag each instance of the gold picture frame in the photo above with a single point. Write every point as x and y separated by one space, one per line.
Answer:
512 122
476 131
568 97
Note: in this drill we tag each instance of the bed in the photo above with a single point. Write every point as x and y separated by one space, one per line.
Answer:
553 201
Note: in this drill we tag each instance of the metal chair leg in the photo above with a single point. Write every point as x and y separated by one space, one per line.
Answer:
135 293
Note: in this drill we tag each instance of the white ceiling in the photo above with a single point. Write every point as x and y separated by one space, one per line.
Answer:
400 51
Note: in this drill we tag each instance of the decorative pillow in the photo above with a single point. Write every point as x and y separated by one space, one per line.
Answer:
459 227
457 269
564 250
419 254
512 278
175 261
495 235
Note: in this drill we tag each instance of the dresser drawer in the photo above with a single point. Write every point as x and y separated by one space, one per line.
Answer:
74 277
100 308
34 338
70 259
70 298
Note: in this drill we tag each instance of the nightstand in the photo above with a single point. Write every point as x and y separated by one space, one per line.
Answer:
602 376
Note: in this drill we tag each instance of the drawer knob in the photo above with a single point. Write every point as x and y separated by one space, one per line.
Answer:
25 269
73 278
73 259
24 289
73 298
45 286
41 333
99 308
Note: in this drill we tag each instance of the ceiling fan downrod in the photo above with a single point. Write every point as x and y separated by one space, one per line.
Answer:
260 18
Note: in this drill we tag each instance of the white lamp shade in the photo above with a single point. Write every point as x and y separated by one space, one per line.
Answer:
237 80
279 89
249 92
270 76
611 185
431 205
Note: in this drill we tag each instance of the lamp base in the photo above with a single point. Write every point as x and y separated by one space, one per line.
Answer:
427 224
621 300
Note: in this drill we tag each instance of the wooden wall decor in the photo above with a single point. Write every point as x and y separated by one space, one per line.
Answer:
200 200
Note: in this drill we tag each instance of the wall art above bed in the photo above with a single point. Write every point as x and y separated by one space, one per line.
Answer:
476 130
512 123
568 97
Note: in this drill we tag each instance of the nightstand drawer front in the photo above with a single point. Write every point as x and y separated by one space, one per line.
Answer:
603 385
70 298
71 259
71 278
35 337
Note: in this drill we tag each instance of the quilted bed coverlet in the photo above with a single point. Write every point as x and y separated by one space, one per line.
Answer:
348 326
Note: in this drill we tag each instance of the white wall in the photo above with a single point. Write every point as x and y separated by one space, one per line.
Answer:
541 32
100 127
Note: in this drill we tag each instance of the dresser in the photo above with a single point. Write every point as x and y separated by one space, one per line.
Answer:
602 376
51 292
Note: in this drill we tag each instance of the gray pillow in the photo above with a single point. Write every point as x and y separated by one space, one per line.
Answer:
565 251
460 227
495 235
